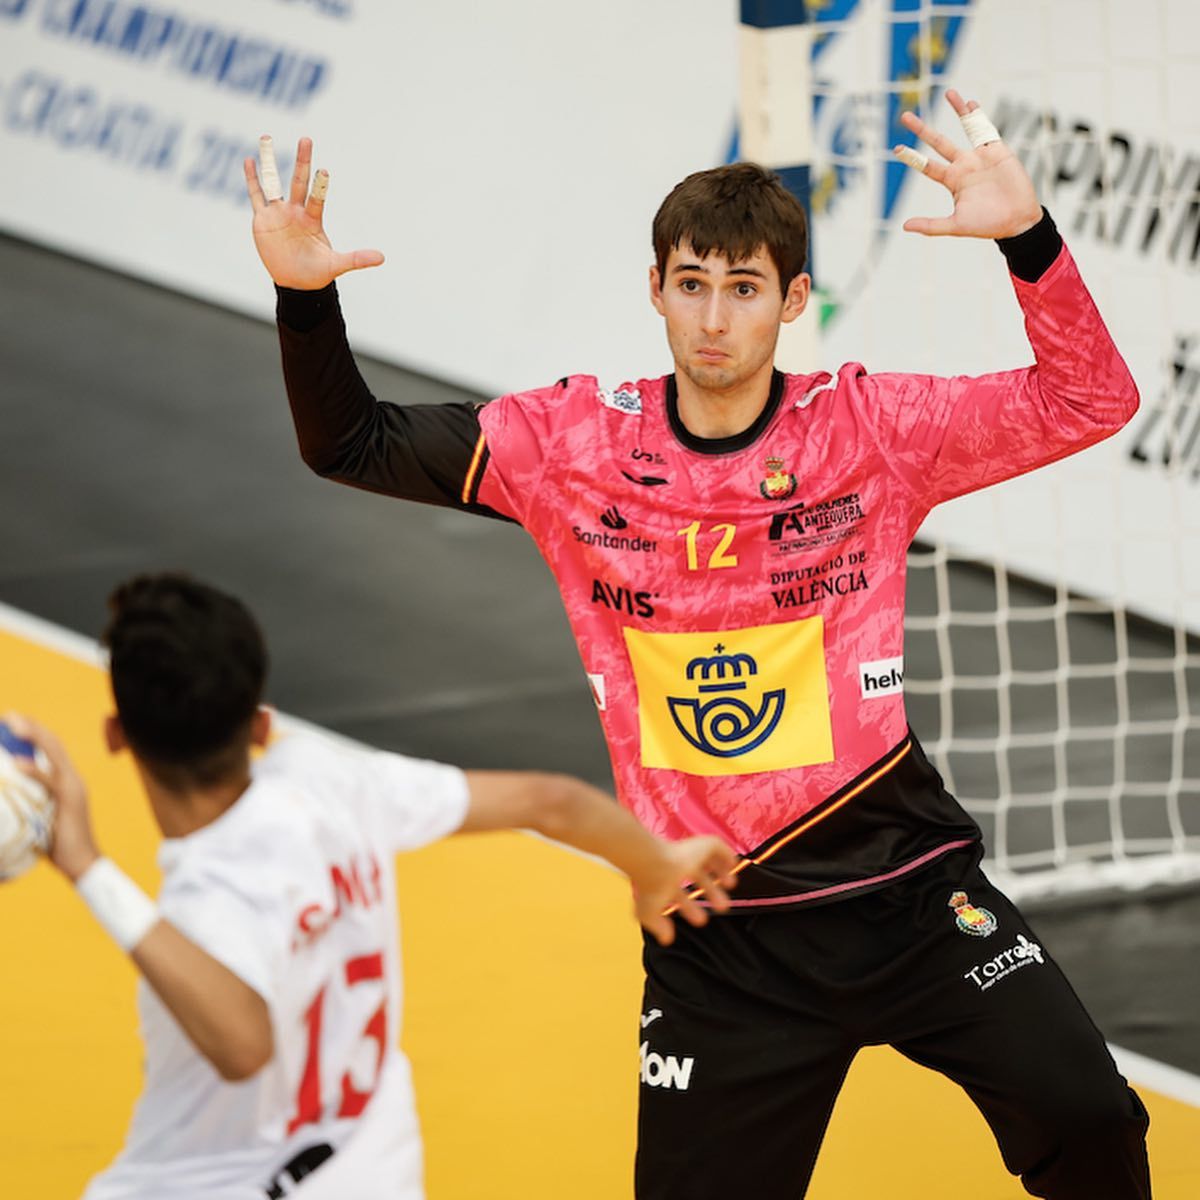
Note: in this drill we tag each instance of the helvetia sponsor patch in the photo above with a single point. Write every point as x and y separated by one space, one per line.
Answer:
885 677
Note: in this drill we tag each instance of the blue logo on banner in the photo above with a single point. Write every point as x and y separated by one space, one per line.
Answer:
919 49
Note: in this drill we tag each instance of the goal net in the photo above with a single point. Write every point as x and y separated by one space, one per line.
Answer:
1053 644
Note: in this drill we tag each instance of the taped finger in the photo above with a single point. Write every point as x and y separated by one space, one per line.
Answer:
978 128
320 186
272 189
912 158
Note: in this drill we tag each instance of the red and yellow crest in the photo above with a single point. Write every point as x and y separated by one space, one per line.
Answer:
779 483
969 918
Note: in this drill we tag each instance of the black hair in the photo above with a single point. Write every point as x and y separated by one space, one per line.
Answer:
188 664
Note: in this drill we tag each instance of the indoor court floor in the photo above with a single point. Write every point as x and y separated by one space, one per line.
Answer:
145 430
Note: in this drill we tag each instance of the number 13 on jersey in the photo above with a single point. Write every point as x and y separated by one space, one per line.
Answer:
364 969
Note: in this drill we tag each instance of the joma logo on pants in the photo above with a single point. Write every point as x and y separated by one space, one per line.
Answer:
665 1070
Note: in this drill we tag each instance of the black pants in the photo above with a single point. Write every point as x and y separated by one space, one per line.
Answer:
750 1024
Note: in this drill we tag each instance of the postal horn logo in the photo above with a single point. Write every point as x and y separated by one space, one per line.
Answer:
779 483
969 918
726 719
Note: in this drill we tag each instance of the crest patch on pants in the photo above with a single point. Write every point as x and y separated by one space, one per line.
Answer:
969 918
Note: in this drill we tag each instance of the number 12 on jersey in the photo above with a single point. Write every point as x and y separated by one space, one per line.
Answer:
362 969
719 555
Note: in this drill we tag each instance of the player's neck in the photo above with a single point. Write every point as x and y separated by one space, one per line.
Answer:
181 811
709 412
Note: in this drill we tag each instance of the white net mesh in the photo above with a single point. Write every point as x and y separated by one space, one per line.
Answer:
1069 728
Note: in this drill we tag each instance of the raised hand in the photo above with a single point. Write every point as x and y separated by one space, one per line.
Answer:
993 194
289 233
704 861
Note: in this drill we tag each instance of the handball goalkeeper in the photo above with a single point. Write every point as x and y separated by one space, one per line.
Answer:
740 615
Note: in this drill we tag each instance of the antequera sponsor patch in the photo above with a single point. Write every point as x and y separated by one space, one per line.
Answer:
733 702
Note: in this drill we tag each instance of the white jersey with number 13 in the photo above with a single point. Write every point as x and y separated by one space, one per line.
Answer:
293 890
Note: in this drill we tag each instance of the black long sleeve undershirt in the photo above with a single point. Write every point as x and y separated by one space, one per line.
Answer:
416 452
1031 254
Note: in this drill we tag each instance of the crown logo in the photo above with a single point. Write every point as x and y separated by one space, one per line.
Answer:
720 666
722 724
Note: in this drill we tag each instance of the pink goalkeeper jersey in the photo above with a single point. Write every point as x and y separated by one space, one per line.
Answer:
739 606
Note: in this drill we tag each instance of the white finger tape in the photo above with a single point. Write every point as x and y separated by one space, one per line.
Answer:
979 128
320 186
912 158
272 189
124 910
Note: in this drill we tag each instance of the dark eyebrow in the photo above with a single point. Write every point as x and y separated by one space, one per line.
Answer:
686 266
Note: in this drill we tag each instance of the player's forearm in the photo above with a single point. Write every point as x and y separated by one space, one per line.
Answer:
419 452
1079 372
562 808
330 401
577 814
225 1019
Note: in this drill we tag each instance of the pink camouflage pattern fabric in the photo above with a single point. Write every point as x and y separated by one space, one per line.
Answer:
741 615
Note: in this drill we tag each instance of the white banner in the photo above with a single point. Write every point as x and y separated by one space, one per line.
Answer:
508 158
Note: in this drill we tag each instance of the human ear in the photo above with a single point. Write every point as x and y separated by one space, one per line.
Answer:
260 727
796 300
114 735
656 296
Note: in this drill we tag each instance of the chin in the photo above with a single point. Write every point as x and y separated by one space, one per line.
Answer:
715 378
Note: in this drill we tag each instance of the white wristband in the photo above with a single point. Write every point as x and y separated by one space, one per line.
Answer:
124 910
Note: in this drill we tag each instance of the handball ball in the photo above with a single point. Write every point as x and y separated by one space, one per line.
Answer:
26 810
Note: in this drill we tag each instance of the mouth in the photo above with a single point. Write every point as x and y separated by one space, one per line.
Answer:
711 354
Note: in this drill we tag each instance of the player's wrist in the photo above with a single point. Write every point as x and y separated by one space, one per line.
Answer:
1023 222
125 911
1031 252
653 867
77 863
303 309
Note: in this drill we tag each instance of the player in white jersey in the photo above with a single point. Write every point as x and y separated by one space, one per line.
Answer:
270 990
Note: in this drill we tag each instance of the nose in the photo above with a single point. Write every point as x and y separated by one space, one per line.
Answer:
713 320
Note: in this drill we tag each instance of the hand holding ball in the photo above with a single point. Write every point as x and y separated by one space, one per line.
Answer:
26 809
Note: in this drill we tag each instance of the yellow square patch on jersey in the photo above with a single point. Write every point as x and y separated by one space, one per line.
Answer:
733 702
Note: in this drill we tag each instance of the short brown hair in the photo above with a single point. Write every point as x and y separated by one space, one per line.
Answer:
734 211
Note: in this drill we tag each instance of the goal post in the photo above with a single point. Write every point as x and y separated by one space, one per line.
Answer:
775 128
